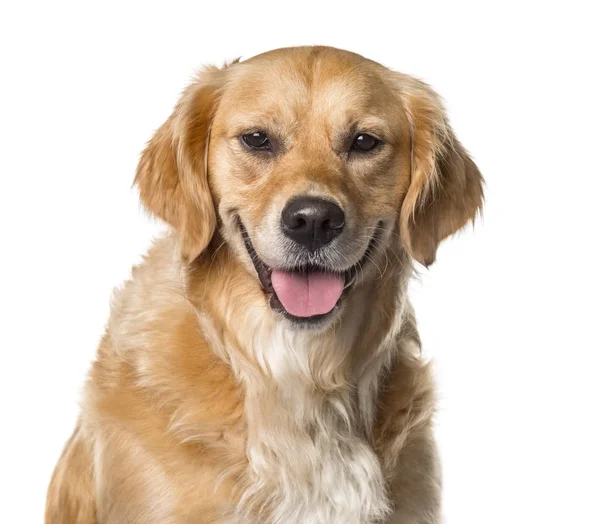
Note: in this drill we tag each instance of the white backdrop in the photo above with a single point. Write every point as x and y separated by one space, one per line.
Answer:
509 312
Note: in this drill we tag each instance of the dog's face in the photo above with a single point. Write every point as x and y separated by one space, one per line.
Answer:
307 175
315 161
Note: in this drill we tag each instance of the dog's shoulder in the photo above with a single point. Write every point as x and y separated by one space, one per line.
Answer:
157 391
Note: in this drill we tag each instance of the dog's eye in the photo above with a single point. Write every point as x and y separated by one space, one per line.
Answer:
257 140
364 143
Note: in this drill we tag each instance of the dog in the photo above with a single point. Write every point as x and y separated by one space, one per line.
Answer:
263 364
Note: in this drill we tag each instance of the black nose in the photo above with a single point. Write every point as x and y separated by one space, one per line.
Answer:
312 222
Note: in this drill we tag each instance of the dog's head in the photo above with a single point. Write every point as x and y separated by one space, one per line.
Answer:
310 163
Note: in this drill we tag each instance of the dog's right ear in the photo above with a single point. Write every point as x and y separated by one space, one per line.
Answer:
172 173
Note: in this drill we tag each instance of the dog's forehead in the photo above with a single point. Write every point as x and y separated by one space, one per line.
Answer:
292 84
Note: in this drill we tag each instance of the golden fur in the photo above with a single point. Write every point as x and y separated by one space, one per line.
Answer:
204 405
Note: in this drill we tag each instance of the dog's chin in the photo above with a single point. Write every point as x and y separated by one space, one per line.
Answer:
307 321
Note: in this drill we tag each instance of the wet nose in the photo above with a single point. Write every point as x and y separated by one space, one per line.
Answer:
312 222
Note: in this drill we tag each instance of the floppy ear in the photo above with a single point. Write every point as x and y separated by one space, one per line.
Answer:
172 172
446 187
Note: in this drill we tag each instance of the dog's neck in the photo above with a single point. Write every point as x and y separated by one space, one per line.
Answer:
262 347
307 372
310 396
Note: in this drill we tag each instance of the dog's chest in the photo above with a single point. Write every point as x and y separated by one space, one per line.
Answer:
309 458
313 475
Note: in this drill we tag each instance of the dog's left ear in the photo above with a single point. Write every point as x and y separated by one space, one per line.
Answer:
172 173
446 187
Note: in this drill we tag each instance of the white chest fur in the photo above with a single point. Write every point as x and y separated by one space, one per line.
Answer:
319 478
310 459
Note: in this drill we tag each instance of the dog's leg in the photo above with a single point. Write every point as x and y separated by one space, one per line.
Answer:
71 491
416 487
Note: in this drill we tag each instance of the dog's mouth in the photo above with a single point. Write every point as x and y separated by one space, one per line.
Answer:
307 293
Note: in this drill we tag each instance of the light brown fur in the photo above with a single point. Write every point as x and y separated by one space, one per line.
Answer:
203 406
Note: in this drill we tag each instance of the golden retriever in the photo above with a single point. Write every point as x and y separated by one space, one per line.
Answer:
263 364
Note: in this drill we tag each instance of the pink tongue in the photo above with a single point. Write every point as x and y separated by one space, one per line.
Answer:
307 295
